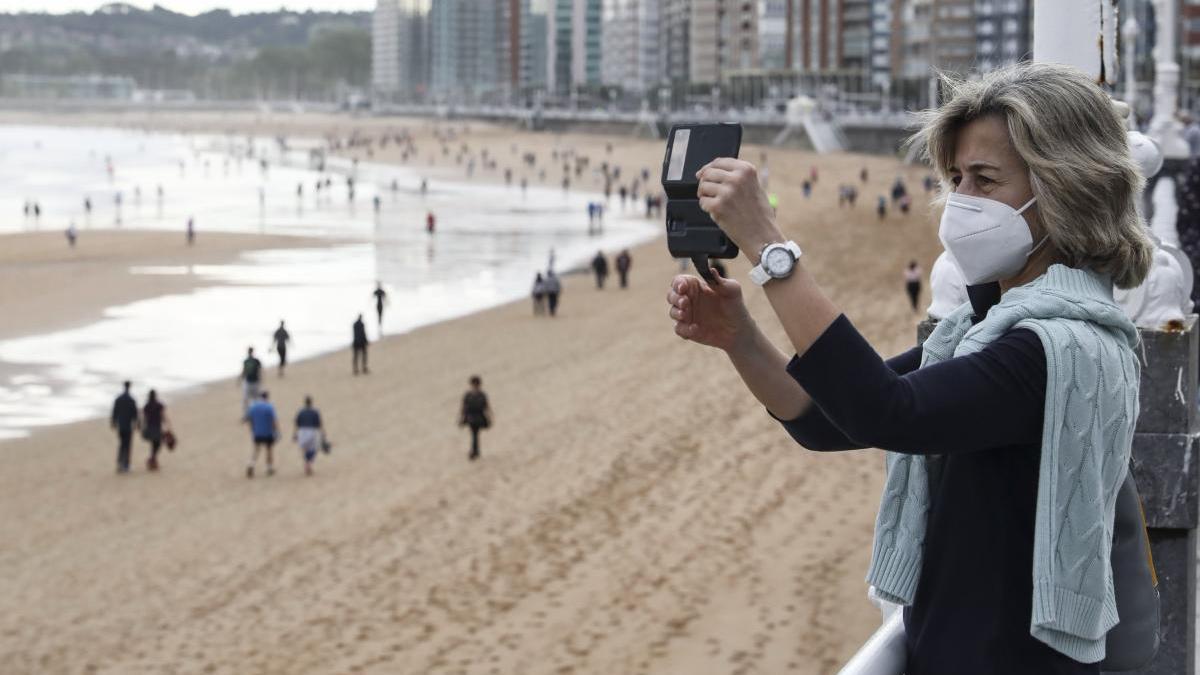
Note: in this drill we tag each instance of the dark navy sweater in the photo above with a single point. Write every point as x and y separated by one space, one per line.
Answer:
979 418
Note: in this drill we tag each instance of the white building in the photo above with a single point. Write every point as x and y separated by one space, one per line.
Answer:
772 33
630 45
385 49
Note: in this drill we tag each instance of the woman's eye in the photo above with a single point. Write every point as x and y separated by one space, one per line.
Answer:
984 180
956 180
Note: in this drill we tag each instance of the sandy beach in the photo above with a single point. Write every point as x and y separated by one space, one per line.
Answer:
635 509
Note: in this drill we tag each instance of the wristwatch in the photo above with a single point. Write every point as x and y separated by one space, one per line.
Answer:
776 262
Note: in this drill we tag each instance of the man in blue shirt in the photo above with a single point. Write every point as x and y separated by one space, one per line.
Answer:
264 429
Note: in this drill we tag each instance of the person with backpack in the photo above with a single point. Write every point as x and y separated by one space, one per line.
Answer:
250 379
476 414
124 421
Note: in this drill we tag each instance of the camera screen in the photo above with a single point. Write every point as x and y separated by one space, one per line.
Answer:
678 154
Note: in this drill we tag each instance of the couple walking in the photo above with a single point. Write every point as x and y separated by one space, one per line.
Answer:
152 421
545 293
309 434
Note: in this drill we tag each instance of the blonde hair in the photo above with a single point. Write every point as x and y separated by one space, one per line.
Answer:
1066 130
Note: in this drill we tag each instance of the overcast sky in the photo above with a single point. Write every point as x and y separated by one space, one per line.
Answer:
188 6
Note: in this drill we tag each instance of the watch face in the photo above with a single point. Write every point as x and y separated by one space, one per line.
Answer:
778 262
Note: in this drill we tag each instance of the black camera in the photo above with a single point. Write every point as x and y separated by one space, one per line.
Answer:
692 233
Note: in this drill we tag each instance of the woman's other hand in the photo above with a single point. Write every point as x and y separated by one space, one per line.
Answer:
731 193
710 315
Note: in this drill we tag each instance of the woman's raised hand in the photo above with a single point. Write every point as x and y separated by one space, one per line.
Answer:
730 192
712 315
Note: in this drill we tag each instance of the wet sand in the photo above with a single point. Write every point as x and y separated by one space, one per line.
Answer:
46 285
635 510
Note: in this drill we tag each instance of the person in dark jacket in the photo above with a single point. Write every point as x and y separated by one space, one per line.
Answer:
124 421
309 434
154 424
359 345
553 288
476 414
624 262
280 341
539 295
912 283
600 268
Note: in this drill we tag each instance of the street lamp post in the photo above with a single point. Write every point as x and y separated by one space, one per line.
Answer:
1164 127
1129 33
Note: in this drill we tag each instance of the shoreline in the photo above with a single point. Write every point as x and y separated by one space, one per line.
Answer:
100 268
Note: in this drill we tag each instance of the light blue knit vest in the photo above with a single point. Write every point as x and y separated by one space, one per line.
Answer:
1091 407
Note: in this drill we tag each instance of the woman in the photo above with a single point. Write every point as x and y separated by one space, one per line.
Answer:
553 289
154 423
476 414
539 295
912 283
972 533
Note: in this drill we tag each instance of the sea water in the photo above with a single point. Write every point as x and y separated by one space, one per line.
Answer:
489 242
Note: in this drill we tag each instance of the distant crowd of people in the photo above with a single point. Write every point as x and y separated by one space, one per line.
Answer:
258 411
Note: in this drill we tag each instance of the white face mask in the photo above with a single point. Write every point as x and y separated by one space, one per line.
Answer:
988 239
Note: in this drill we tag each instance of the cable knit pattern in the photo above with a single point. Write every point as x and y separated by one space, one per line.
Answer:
1091 407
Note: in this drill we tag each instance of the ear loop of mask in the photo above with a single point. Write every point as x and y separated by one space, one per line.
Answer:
1044 237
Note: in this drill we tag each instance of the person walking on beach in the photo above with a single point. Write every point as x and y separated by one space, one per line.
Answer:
912 283
539 295
280 341
264 429
476 414
380 301
250 379
553 288
124 421
624 262
359 345
71 234
154 424
191 230
309 434
430 222
600 268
